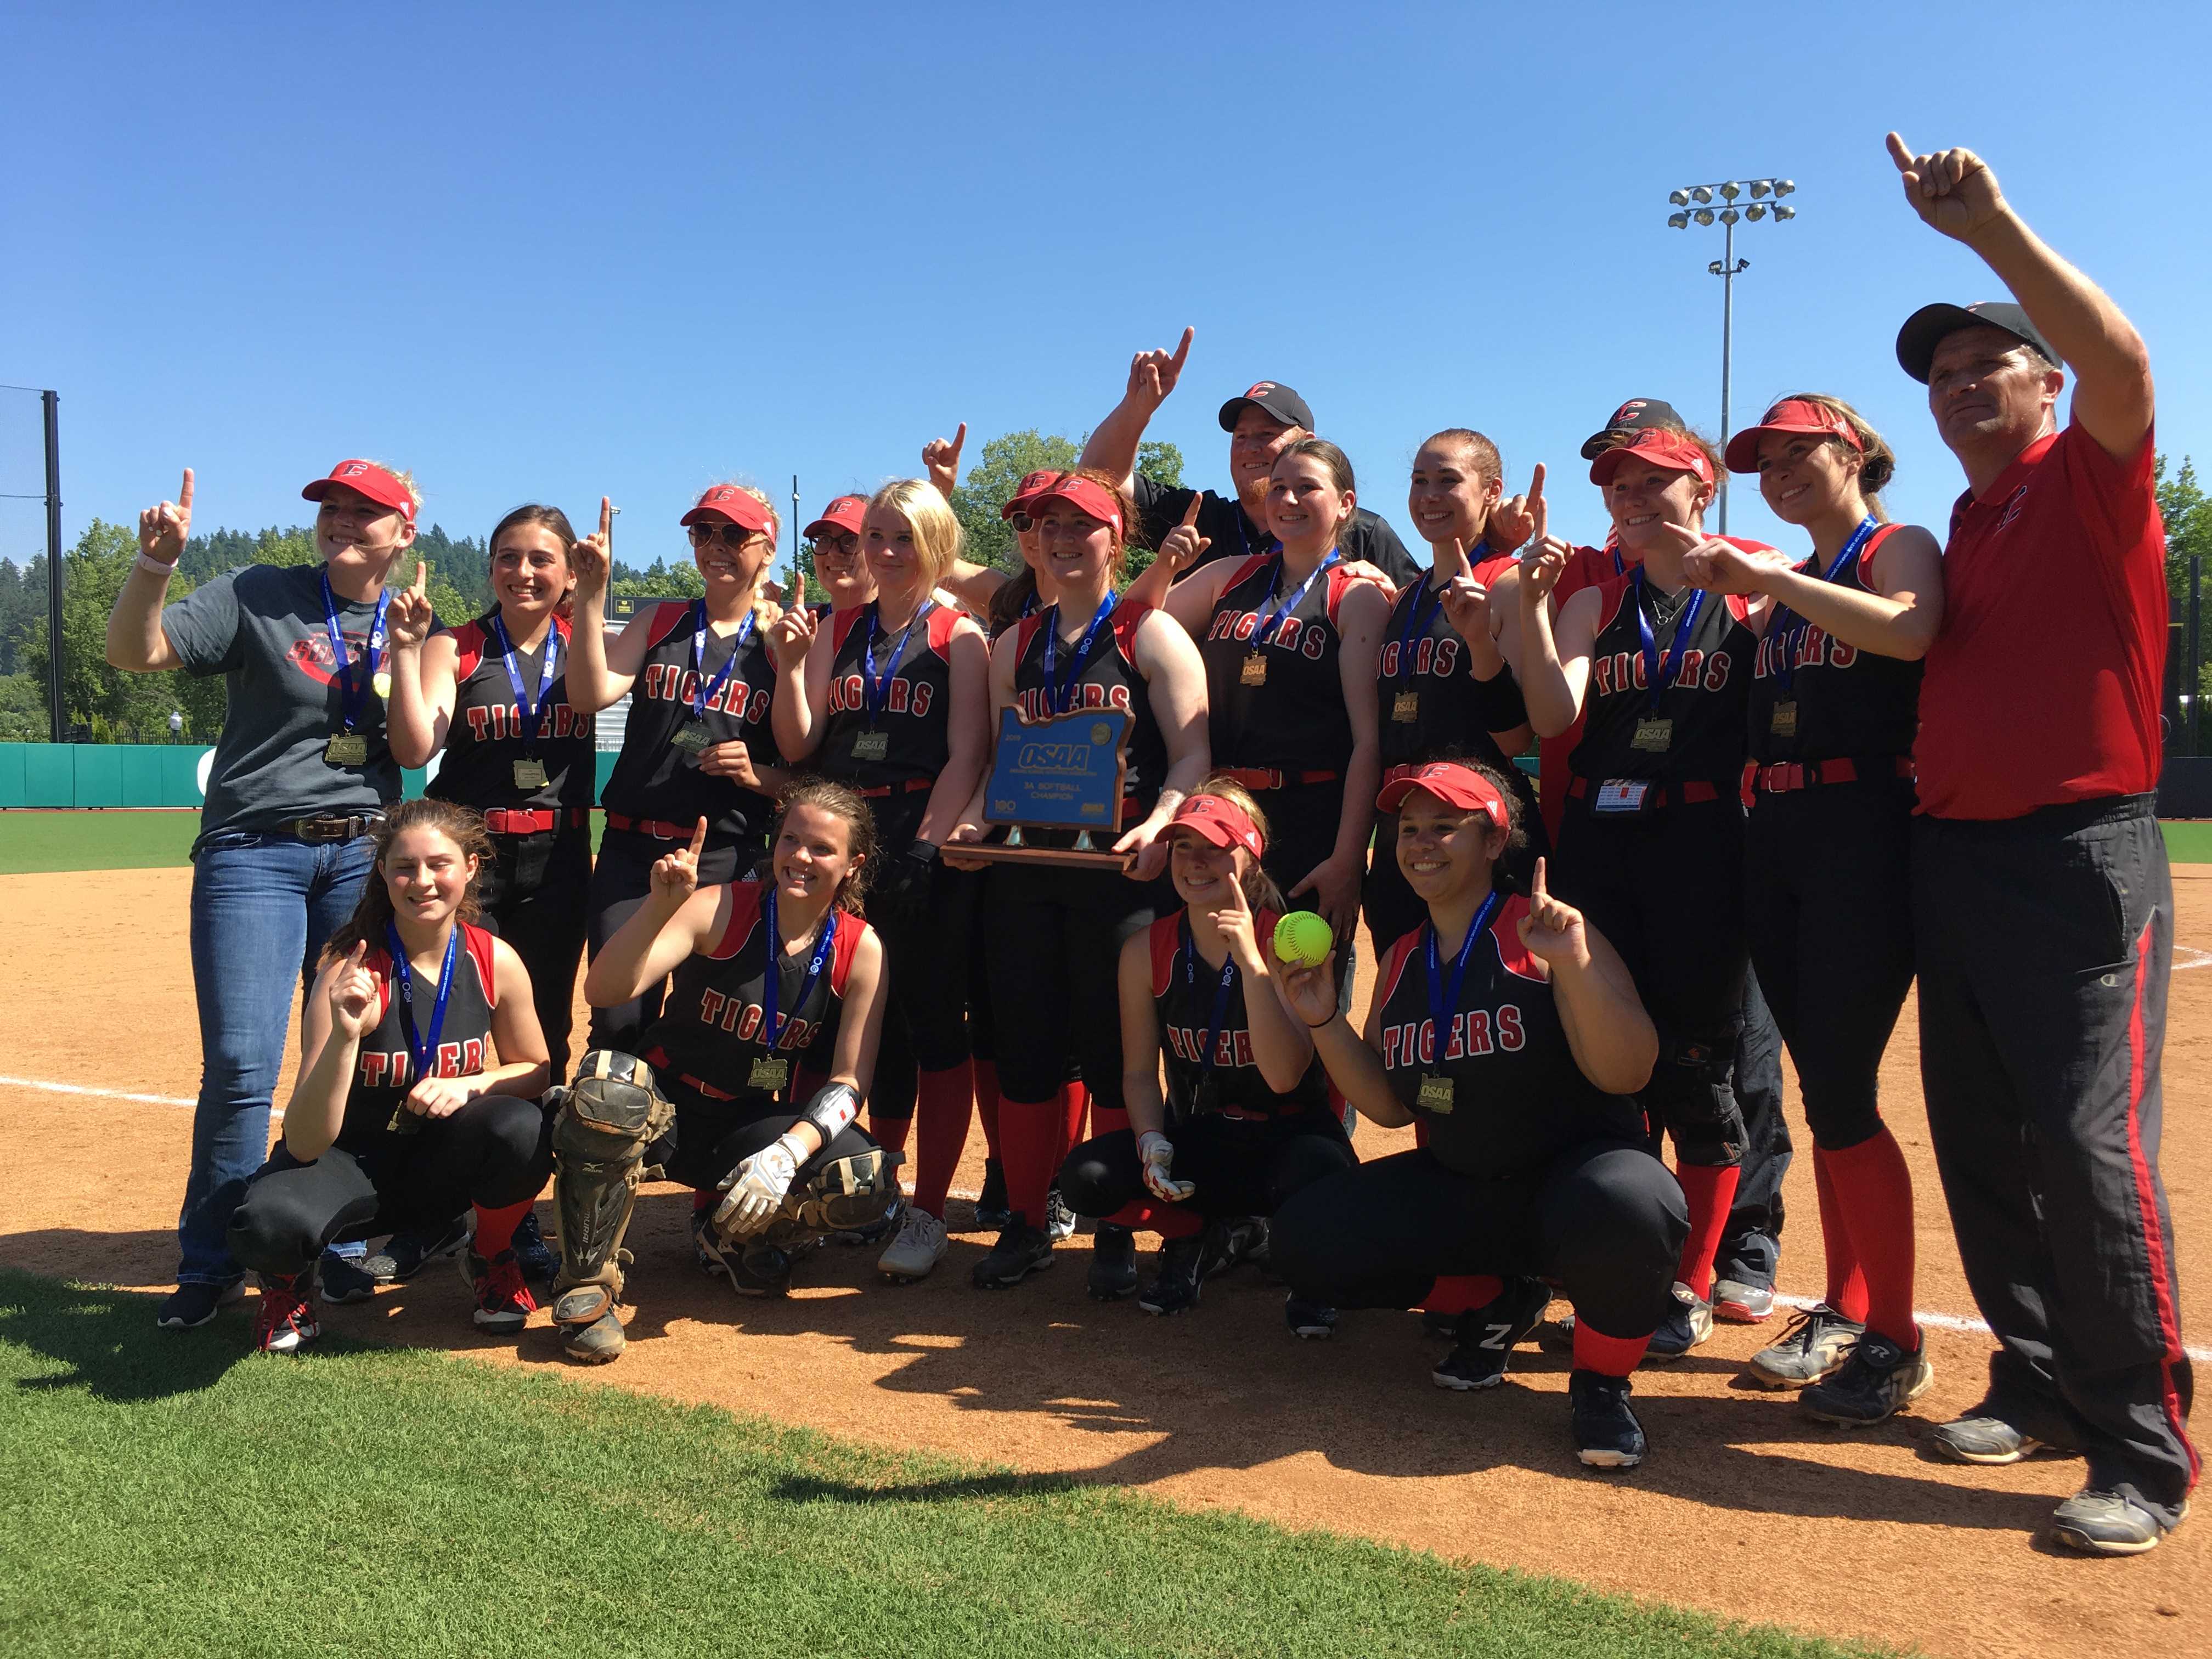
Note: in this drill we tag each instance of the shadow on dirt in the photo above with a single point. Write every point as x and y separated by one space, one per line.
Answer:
1225 1386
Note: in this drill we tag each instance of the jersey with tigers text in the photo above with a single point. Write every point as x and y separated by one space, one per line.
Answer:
1288 712
1694 728
1841 701
484 742
384 1067
653 777
1517 1098
1427 700
1184 989
1106 677
711 1026
908 737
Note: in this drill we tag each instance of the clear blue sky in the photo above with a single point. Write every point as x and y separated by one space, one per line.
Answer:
547 251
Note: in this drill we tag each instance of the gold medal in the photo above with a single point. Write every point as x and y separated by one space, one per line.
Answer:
1653 736
381 682
529 774
872 745
1436 1093
1784 722
692 738
346 749
770 1075
1406 708
1255 671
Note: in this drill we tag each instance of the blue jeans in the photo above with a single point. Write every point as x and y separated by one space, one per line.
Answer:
262 907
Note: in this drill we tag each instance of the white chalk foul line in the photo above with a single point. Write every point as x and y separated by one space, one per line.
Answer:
275 1113
2196 958
1942 1321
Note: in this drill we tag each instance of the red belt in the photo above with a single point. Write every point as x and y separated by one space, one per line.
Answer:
502 822
658 828
1803 775
1269 777
1689 793
906 788
657 1057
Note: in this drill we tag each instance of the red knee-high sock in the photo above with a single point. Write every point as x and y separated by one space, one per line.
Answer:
1709 1193
987 1104
890 1132
1149 1215
1074 1101
944 1101
1847 1286
1872 1190
495 1228
1029 1136
1459 1293
1609 1356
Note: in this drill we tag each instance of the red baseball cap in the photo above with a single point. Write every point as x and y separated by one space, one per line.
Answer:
731 505
1790 414
1217 819
379 484
1084 495
1032 485
846 513
1450 782
1658 446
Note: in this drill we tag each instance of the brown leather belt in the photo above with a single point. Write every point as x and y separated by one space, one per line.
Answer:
331 826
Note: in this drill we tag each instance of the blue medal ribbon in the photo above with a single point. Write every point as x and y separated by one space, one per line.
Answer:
1267 624
1656 668
1443 999
1061 697
769 1030
424 1055
704 691
532 707
353 689
1208 1038
1785 656
876 690
1417 627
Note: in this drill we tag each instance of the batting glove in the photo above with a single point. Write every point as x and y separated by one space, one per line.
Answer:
1158 1153
756 1188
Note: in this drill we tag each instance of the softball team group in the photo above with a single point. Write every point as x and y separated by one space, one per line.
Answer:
801 982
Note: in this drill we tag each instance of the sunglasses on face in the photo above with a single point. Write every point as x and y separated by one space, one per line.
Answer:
731 535
844 544
1022 522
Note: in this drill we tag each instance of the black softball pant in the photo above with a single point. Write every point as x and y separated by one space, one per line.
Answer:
1828 910
1751 1249
621 878
1053 953
535 895
712 1137
1666 887
496 1151
926 967
1302 819
1604 1217
2045 943
1239 1166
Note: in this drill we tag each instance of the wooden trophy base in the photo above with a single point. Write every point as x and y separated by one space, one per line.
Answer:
1070 858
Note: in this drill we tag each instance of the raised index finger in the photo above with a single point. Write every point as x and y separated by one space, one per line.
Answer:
1459 557
1900 153
1191 513
699 838
184 493
606 515
1182 348
1536 890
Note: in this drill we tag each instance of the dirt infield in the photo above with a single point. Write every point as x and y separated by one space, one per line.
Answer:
1745 1509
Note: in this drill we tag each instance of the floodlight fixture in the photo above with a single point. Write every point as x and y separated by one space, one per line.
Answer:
1755 212
1678 198
1704 216
1759 187
1781 212
1702 193
1729 215
1783 187
1679 221
1731 189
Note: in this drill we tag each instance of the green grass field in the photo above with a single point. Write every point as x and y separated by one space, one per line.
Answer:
32 841
188 1497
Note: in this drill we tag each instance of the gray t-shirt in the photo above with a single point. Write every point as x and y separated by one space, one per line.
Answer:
262 628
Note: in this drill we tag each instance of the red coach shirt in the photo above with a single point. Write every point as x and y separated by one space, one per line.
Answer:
2043 684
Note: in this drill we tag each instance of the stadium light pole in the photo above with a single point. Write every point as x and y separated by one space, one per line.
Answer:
1694 202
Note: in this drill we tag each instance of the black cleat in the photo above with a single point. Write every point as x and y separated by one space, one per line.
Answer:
406 1253
1113 1263
1021 1250
537 1260
992 1214
1487 1336
1231 1241
1309 1322
1176 1288
1607 1434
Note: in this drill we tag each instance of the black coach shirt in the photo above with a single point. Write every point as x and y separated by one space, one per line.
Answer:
1235 536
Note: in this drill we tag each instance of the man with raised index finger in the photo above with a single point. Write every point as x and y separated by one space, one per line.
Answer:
2043 909
1261 421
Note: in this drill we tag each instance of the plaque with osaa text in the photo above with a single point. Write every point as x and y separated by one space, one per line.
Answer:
1055 786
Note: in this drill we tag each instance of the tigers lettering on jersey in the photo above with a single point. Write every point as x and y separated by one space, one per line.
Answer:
672 682
1840 701
1701 709
1475 1032
1035 704
498 722
1298 635
1440 657
848 695
653 777
1816 648
1230 1048
1624 671
741 1018
395 1068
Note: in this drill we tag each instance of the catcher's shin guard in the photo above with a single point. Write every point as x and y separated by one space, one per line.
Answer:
839 1196
608 1116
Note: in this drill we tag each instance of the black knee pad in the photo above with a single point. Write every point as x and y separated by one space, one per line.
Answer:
268 1237
1087 1183
1693 1089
